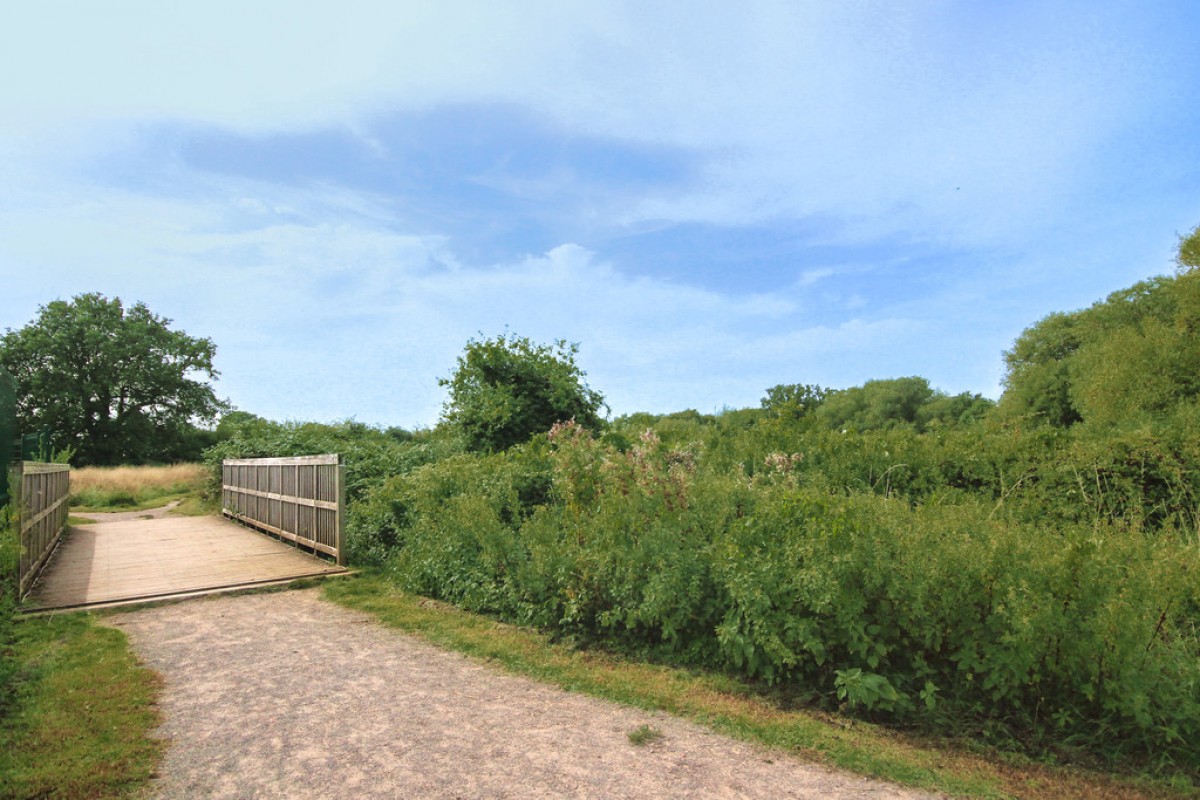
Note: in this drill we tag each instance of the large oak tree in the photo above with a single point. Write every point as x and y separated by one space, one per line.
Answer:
116 385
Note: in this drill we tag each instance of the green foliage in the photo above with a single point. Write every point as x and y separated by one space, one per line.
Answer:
1045 632
234 423
10 553
876 404
1142 361
117 385
506 390
8 428
942 410
643 735
793 401
1131 358
898 403
858 689
1037 383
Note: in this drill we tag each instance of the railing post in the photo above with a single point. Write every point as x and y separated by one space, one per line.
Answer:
340 494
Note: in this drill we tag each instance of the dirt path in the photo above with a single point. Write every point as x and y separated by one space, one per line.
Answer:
284 695
125 516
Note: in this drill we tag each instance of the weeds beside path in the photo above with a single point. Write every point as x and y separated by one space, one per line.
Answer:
728 706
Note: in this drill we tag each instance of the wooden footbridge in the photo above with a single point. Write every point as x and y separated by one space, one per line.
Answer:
122 559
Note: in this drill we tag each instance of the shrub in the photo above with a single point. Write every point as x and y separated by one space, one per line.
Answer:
508 389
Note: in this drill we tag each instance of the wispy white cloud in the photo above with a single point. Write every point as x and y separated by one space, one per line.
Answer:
301 308
934 119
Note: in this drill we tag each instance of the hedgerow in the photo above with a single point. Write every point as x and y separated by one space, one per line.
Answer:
944 615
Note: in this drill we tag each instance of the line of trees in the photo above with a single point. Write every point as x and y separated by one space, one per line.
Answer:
115 385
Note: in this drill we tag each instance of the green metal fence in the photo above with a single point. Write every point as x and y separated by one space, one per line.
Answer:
8 429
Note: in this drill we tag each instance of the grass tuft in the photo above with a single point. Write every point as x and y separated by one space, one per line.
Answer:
644 735
193 506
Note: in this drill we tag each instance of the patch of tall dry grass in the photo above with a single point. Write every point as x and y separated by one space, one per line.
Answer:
101 487
176 477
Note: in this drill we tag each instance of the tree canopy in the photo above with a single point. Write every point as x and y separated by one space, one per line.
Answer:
1132 356
116 385
507 389
792 401
876 405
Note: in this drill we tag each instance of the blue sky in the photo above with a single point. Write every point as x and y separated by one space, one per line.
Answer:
711 198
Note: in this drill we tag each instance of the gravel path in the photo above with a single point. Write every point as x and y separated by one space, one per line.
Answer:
285 695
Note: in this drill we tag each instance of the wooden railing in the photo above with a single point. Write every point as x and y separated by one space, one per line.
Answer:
41 491
299 499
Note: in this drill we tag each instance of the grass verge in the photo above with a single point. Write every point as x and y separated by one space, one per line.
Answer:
78 722
731 707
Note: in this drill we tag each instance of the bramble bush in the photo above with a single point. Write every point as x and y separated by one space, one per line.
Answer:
939 614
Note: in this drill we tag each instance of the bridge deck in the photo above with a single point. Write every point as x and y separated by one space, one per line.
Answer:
113 563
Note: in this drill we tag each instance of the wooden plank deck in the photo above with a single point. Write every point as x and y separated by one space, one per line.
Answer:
113 563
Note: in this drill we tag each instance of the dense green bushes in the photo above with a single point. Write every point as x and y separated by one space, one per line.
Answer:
1062 633
939 613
